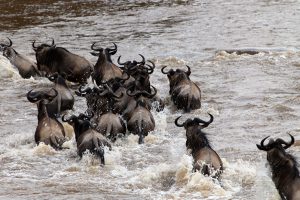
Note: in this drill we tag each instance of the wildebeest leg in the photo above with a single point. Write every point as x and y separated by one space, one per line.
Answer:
98 150
56 142
141 138
100 153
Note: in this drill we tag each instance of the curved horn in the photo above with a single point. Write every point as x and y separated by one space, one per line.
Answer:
205 124
33 46
210 120
52 43
34 96
189 70
151 95
262 146
124 63
287 145
129 93
162 70
150 70
10 43
143 60
109 90
96 49
176 122
113 51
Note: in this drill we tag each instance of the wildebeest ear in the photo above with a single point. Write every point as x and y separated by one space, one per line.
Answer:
95 54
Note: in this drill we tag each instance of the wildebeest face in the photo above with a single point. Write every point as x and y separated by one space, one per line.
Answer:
9 53
40 54
41 50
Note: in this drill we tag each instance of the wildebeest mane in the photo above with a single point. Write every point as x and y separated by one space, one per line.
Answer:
197 141
279 171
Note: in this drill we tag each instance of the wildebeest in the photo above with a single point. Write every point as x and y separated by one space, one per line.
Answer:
49 130
110 125
25 66
105 69
140 120
87 138
184 92
53 59
108 122
65 98
205 158
285 173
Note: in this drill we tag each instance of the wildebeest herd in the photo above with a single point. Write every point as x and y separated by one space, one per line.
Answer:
120 102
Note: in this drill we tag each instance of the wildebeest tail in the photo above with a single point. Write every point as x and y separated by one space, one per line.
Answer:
140 131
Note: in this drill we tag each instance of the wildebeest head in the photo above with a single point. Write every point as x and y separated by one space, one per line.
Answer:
130 66
40 52
194 122
104 54
105 69
8 51
285 173
48 96
80 123
176 75
195 137
44 100
142 97
276 149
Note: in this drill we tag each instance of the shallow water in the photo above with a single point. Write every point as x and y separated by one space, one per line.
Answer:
250 96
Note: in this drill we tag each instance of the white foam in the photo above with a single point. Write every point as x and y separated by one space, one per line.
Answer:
7 70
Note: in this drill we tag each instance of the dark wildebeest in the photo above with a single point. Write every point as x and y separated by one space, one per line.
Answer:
130 67
25 66
65 98
105 69
110 125
90 95
53 59
87 138
285 173
108 122
49 130
206 159
140 120
140 74
184 92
